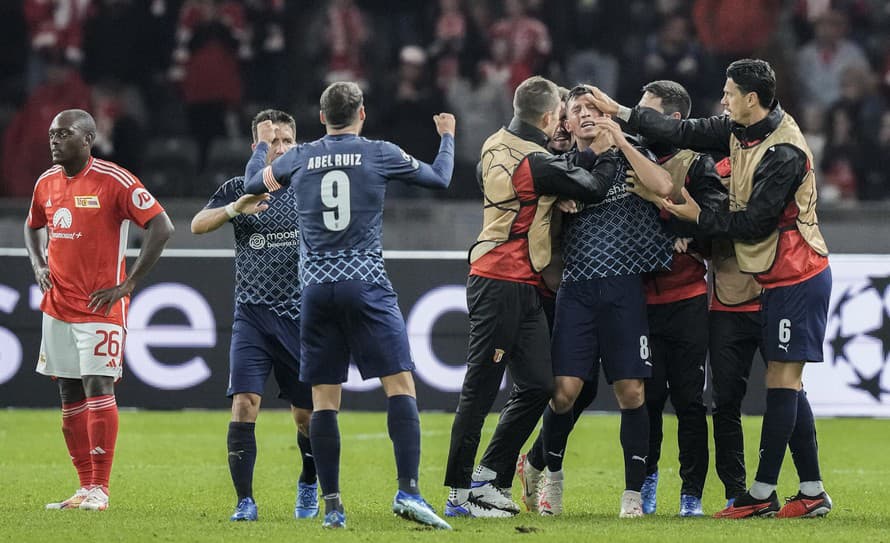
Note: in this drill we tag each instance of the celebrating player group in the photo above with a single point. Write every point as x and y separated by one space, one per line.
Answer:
635 240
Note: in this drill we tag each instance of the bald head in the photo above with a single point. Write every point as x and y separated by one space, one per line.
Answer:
77 118
71 137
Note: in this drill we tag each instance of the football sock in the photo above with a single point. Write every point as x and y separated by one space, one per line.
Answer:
332 502
404 431
535 455
102 427
635 444
555 432
761 491
308 474
811 488
241 444
481 473
778 424
325 436
77 437
803 444
458 496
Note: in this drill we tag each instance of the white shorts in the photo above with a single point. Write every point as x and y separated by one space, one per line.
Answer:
75 349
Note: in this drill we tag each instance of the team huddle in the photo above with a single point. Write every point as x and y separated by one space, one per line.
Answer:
649 248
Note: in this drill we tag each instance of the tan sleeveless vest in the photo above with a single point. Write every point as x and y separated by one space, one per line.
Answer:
502 153
678 166
758 257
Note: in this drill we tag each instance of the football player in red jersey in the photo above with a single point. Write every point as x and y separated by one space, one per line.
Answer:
76 235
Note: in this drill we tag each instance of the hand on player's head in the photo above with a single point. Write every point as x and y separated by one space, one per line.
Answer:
603 101
445 123
265 131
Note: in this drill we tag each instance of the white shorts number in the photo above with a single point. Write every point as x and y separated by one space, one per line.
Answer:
644 347
784 331
335 194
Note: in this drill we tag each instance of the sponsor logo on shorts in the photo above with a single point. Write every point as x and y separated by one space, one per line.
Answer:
86 201
142 198
498 355
41 359
784 347
112 364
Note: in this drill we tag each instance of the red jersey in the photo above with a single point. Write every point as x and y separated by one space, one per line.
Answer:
87 218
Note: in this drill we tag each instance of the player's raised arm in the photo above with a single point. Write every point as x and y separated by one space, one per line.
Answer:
398 164
650 174
260 178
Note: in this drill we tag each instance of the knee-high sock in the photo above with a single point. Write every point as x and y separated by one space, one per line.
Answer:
308 474
404 431
324 433
635 443
75 417
778 425
241 443
102 426
555 433
803 444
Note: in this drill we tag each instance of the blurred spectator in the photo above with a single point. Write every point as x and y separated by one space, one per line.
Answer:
408 100
843 156
526 41
210 36
25 144
448 41
673 53
345 35
732 29
55 28
878 175
483 104
266 81
821 63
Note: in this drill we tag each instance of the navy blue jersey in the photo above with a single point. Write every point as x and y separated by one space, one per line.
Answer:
621 235
267 250
340 182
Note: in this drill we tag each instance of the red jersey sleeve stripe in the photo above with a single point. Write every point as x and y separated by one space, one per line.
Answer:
269 179
120 178
112 166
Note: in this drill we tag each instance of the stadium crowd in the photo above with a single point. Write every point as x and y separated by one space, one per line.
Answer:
173 83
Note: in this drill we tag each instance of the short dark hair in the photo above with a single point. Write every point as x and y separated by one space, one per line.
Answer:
340 103
754 75
674 98
534 97
274 115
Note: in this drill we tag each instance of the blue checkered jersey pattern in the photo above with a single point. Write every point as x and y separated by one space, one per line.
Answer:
622 235
267 250
340 182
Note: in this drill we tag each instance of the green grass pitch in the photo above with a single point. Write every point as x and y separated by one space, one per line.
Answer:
171 483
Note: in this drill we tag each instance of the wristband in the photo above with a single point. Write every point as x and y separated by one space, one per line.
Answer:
230 210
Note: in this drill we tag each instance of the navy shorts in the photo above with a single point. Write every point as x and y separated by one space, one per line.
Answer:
602 321
264 342
794 320
351 318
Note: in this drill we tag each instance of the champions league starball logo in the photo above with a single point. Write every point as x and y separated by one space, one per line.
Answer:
859 335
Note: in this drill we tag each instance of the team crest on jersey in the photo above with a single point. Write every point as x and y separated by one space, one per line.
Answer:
498 355
411 159
62 218
257 241
86 201
142 198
